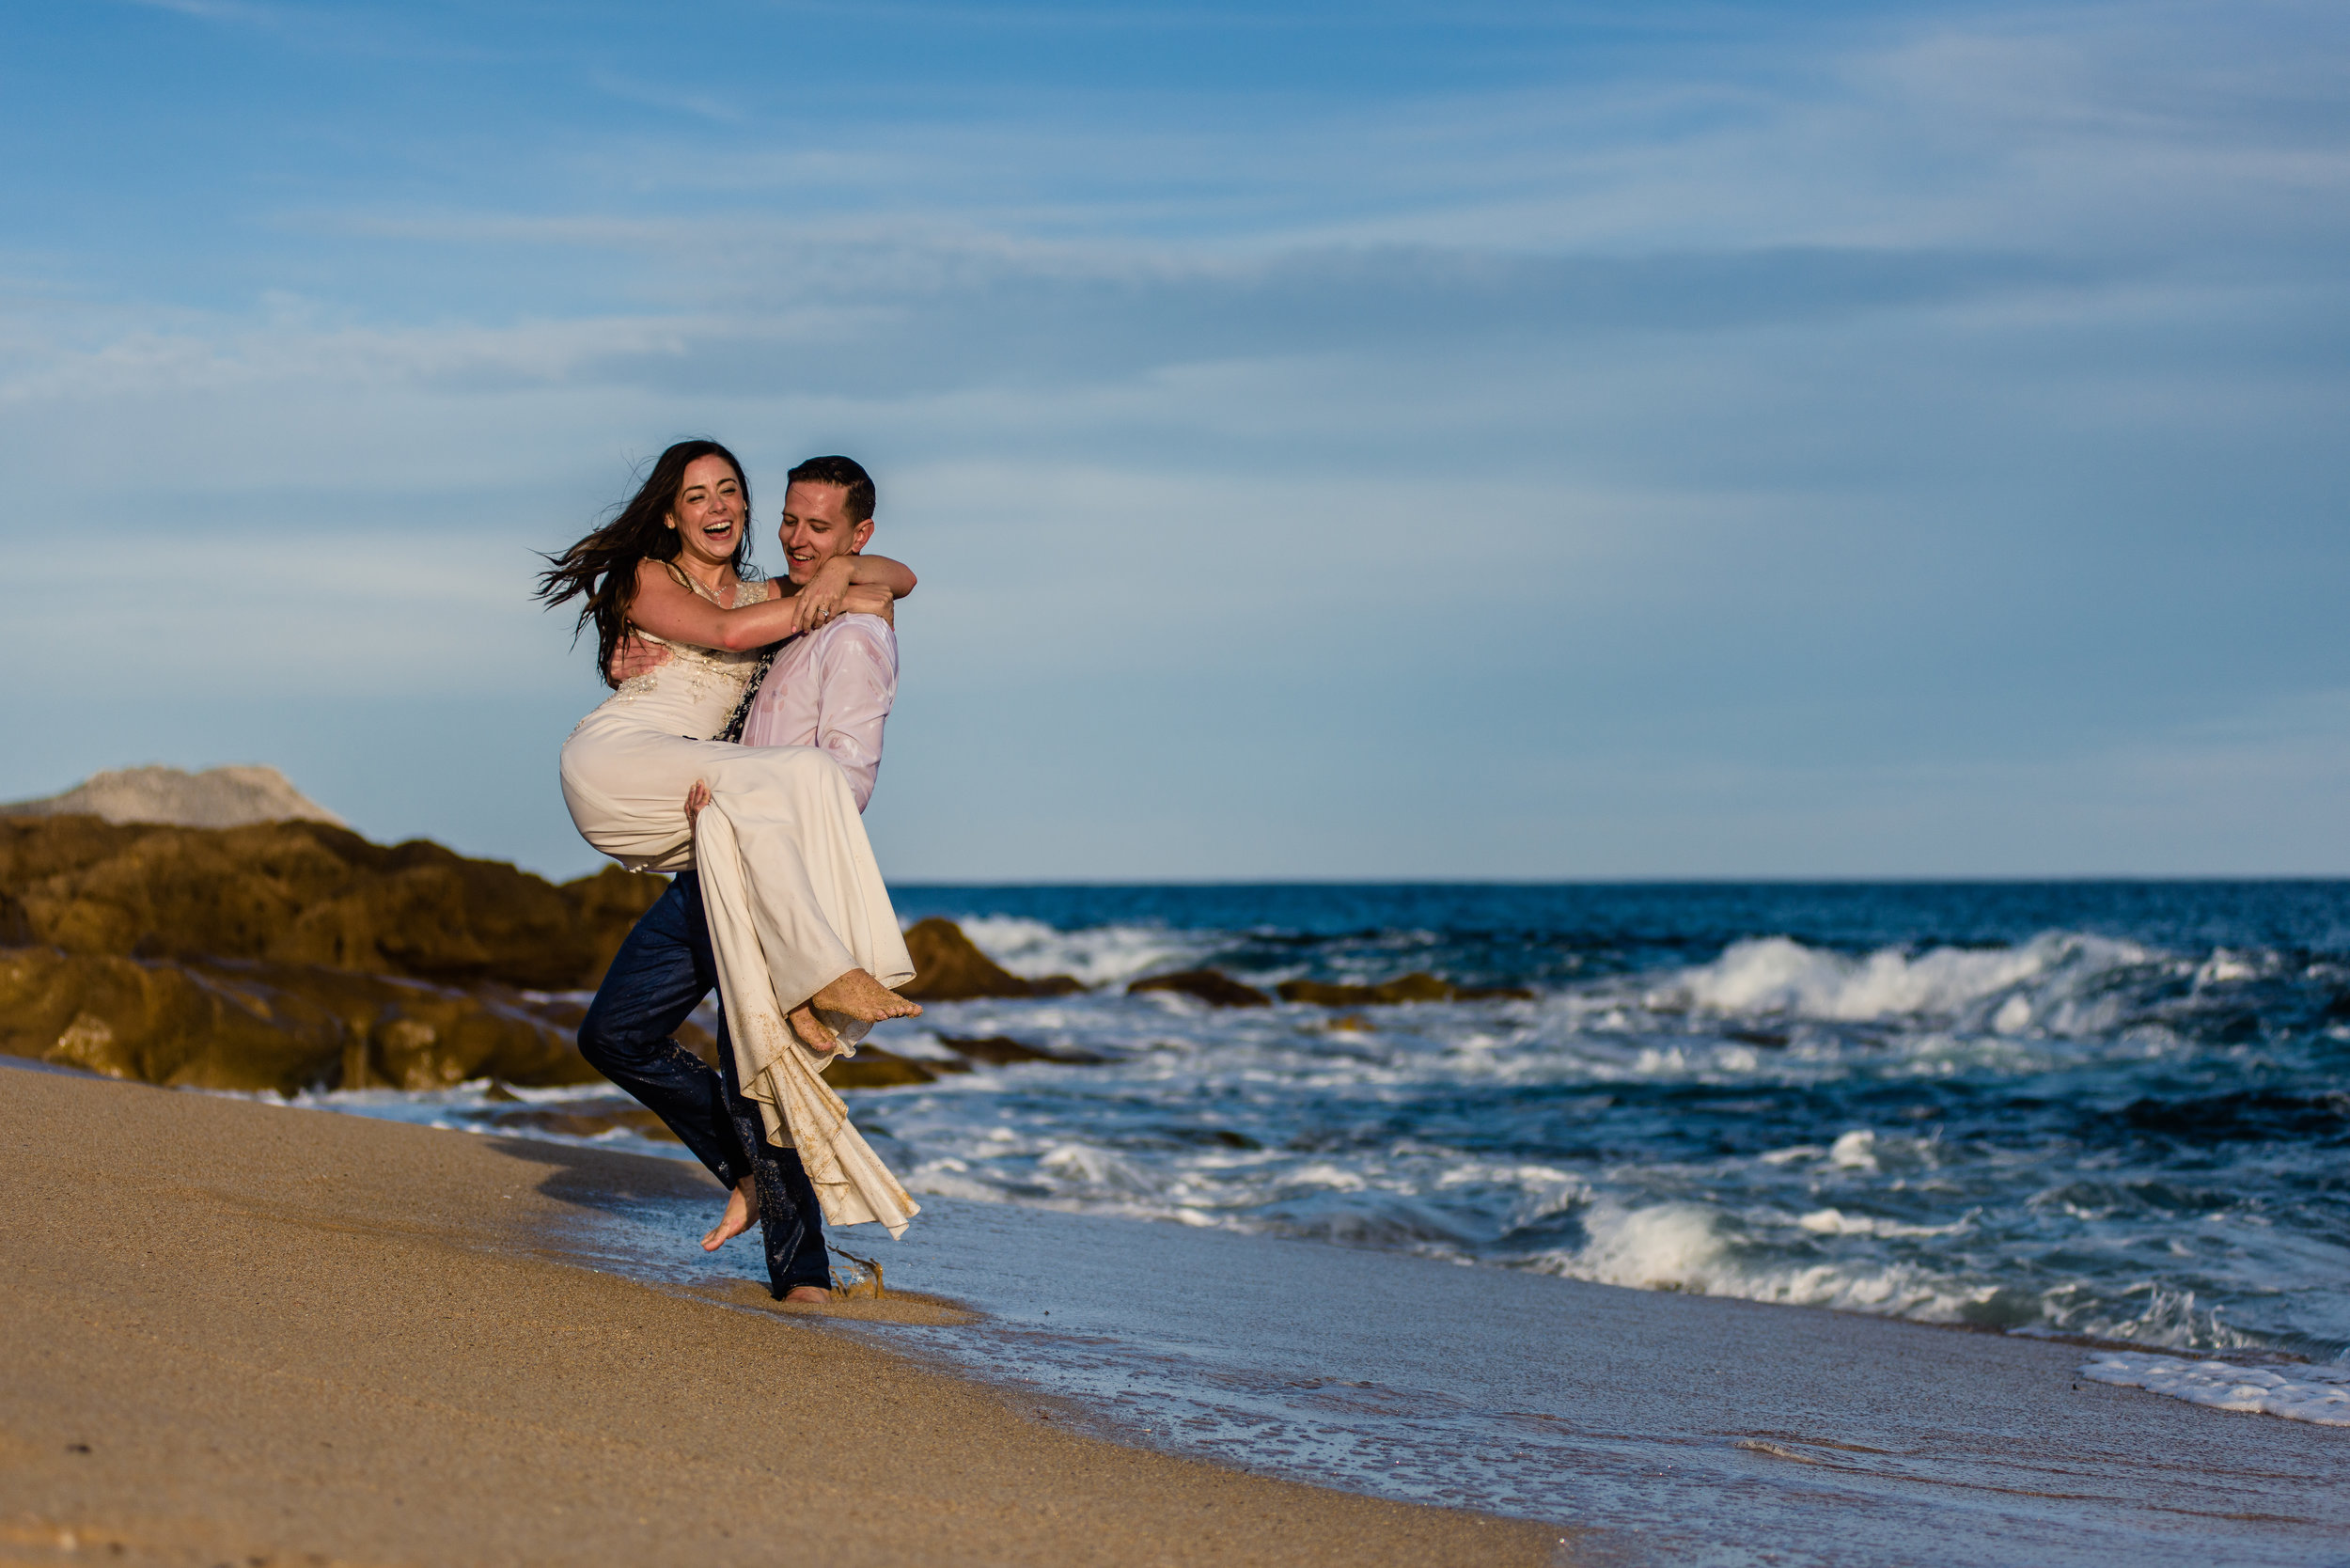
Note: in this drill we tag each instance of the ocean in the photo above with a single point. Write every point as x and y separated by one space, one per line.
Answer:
2114 1112
2118 1110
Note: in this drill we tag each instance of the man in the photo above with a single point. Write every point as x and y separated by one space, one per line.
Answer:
831 687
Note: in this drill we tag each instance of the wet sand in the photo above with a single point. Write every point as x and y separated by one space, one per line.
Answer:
1670 1427
242 1335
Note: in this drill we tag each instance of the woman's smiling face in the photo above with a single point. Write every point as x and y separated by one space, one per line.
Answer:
708 514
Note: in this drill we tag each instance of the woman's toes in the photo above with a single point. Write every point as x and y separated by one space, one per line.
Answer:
811 1030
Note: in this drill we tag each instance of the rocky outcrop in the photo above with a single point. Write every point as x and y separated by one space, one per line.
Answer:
217 797
292 955
949 967
261 1026
308 893
1207 985
1418 986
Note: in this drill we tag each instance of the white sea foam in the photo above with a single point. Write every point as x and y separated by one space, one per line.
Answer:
2045 981
1098 955
2145 1312
1687 1247
1836 1222
2298 1393
1854 1151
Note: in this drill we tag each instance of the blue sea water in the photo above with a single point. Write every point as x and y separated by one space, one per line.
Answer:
2119 1111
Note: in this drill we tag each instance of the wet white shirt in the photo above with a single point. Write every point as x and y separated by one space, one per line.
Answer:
831 687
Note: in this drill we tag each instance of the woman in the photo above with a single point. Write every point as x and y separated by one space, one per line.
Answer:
805 941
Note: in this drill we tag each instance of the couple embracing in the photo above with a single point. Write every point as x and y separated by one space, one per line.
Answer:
737 751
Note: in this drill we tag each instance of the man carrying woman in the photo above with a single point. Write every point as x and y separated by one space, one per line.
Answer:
775 899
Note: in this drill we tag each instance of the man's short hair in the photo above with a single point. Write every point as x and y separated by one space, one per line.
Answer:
845 472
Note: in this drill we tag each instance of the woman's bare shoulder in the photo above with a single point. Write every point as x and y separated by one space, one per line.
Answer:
650 572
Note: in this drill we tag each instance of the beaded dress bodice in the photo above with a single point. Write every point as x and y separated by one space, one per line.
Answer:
697 690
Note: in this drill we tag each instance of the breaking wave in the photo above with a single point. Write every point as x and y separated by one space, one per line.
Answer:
2059 982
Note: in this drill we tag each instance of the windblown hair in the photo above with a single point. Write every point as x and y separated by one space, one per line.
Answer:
601 568
848 474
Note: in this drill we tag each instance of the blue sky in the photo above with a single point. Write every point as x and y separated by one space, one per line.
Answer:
1337 440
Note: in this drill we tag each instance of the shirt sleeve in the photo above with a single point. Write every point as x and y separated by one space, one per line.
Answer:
856 681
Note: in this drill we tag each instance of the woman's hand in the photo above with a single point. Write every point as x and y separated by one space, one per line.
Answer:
819 600
695 798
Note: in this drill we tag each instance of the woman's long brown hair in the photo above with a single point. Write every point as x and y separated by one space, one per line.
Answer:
603 566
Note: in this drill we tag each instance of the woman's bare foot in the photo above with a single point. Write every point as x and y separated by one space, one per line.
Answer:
814 1295
813 1030
861 996
742 1208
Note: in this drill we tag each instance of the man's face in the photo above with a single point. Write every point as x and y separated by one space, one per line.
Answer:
817 528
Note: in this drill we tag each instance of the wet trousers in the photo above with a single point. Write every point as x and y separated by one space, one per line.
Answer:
660 976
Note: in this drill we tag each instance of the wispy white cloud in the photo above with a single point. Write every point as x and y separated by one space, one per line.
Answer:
712 108
211 10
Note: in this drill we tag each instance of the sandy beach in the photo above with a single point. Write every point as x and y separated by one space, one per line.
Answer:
246 1335
254 1333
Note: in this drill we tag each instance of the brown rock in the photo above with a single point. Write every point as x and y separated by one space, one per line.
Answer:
875 1068
16 927
700 1041
999 1051
254 1025
607 905
1217 990
949 967
1418 986
307 892
589 1119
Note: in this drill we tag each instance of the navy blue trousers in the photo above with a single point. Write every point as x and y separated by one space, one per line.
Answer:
660 975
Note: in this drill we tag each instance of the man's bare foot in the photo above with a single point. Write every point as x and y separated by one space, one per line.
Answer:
814 1295
742 1208
813 1030
861 996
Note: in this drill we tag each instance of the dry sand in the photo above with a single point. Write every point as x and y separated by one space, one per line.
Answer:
241 1334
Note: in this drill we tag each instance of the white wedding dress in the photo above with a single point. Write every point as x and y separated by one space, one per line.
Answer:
787 879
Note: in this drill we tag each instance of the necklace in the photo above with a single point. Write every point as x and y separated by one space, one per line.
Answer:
697 586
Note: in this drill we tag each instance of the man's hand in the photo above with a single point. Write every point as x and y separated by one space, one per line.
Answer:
821 598
632 656
695 798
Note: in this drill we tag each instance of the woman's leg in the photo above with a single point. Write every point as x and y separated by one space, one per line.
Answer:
813 897
794 903
850 998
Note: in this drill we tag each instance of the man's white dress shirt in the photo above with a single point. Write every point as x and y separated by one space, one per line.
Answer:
831 687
